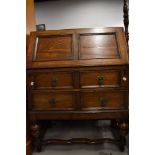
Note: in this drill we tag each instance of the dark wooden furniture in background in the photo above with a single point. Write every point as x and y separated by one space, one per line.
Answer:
126 18
78 74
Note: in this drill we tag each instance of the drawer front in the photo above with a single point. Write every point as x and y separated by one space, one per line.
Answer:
53 80
53 101
104 100
93 79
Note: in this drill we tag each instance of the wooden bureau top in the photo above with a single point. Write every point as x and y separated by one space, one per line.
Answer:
77 47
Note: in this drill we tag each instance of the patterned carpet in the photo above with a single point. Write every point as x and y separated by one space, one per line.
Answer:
75 129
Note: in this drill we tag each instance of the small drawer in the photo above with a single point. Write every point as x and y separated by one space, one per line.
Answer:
53 101
53 80
104 100
100 78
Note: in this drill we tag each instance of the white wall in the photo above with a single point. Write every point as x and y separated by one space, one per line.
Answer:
64 14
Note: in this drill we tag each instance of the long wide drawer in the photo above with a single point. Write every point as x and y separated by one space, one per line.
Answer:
104 100
53 101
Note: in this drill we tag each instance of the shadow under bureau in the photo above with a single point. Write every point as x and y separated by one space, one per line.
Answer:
78 74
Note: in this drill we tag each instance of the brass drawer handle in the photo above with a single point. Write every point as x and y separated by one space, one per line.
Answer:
103 101
100 80
54 83
52 102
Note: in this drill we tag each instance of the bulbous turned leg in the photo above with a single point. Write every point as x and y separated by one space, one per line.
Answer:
35 131
123 131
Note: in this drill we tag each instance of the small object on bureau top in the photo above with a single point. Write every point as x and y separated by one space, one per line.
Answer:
41 27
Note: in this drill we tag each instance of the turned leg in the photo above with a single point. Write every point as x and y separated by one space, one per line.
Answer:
35 131
123 131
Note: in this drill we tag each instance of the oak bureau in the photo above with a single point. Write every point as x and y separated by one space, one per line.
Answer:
78 74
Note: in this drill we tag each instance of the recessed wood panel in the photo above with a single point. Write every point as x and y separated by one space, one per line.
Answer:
91 79
104 100
54 47
53 101
98 46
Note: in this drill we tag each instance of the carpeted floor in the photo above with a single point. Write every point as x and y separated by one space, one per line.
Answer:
80 129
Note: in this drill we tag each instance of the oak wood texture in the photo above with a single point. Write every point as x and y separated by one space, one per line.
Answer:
77 74
86 77
53 79
79 115
98 46
108 47
53 101
104 100
54 47
100 78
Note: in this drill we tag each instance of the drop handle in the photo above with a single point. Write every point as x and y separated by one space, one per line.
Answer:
54 83
103 101
52 102
100 80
